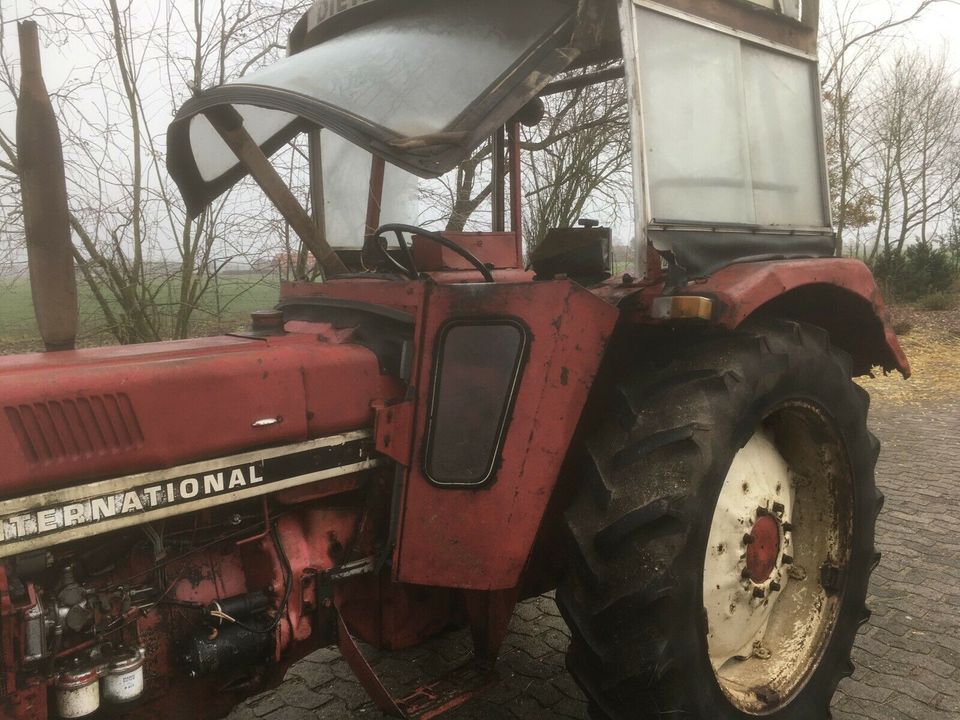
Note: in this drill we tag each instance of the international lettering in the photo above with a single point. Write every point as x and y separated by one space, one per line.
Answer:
129 502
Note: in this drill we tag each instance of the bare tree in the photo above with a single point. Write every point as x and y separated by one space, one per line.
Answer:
915 131
147 264
854 41
576 160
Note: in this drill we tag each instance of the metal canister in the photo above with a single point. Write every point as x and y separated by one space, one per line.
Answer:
78 692
123 679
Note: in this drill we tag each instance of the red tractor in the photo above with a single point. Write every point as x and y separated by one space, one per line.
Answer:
435 432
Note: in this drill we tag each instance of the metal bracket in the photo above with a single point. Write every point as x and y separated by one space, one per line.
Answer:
393 430
364 673
430 700
489 614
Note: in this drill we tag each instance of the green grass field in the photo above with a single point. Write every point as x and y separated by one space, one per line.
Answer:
226 307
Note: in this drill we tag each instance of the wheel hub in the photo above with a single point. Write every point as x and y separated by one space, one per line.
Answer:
744 571
763 549
777 517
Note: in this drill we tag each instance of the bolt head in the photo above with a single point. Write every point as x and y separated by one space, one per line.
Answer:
787 559
748 539
775 586
787 527
831 578
759 593
779 509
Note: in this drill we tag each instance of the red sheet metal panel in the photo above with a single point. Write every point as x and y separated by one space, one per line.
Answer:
744 289
838 294
497 250
479 539
82 415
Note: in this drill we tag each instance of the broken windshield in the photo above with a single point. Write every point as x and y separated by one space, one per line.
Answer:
420 85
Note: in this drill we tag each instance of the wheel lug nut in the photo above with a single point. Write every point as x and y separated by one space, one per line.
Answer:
831 578
779 509
748 539
775 586
787 560
759 593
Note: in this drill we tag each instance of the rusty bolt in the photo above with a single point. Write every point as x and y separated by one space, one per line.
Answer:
748 539
759 593
831 578
788 559
775 586
779 509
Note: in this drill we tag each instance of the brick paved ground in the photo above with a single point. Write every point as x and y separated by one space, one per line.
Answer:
908 658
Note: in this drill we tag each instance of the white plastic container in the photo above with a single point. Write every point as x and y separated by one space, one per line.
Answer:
123 680
78 692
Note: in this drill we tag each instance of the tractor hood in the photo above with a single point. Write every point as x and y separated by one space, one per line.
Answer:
420 83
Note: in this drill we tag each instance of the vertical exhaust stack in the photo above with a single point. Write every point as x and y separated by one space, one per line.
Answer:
46 218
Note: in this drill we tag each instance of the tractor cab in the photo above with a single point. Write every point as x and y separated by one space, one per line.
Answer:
728 161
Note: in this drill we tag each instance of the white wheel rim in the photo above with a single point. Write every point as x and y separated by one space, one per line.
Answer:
767 631
739 609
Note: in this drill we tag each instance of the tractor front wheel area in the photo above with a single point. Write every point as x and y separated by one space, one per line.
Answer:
723 535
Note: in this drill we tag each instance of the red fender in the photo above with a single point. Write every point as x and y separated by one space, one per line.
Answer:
839 295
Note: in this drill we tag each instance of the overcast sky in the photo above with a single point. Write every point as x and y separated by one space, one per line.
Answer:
938 29
940 26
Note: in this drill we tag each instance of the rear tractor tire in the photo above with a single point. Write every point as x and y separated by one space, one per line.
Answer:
723 538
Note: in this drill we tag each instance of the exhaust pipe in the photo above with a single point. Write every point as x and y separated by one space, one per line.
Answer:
46 218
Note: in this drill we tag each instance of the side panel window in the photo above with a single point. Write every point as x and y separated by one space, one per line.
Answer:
475 380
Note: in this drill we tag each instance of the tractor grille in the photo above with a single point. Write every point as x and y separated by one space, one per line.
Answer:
75 428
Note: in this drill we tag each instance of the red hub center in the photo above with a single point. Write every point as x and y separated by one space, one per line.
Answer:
763 552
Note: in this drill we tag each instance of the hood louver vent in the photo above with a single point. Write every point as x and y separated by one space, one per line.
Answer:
75 428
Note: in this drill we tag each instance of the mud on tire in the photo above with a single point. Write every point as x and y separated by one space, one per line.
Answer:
650 479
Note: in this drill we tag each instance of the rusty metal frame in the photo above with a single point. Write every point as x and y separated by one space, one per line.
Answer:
437 697
499 146
365 674
378 170
754 20
576 82
229 125
516 189
531 71
707 15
